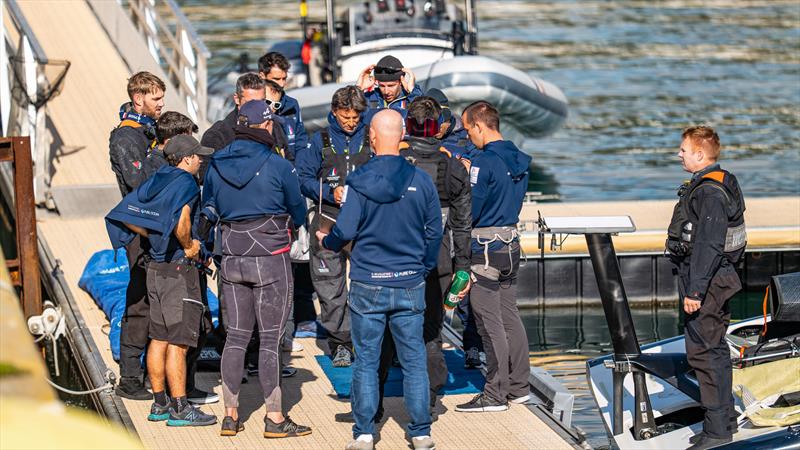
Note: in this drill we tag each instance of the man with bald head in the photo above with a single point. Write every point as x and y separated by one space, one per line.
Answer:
391 213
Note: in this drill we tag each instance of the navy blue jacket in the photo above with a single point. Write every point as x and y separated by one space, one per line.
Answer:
156 206
309 160
375 101
499 179
392 213
247 180
293 124
457 134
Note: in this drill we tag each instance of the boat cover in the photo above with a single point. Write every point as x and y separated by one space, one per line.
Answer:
105 278
762 385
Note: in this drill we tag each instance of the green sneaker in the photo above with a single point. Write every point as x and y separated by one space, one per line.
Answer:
158 413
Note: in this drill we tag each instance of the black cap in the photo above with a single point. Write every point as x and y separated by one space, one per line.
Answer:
439 96
388 68
184 145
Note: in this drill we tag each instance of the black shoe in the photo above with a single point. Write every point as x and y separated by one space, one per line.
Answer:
708 442
482 403
190 416
158 413
132 388
230 427
199 397
472 359
287 428
378 415
343 357
696 437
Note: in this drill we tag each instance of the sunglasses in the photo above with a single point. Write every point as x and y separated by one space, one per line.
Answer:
275 105
386 71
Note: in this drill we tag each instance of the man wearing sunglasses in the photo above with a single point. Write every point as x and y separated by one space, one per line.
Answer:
275 67
388 85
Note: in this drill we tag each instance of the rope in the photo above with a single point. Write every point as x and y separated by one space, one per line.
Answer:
108 385
766 296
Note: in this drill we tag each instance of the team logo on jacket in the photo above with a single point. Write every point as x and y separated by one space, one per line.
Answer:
473 175
137 165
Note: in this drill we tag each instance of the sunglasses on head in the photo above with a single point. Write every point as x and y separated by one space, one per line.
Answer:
386 71
275 105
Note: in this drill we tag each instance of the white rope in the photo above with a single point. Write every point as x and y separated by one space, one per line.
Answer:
108 385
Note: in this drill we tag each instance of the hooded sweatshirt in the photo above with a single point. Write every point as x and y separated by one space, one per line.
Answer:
247 180
499 178
376 102
309 160
296 135
391 212
457 140
156 206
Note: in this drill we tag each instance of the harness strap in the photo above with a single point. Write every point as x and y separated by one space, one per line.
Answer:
129 123
487 235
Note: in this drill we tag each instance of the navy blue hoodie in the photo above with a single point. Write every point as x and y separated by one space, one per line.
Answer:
499 178
293 124
456 135
246 180
156 206
309 160
392 213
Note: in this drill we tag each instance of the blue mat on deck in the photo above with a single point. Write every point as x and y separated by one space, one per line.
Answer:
459 379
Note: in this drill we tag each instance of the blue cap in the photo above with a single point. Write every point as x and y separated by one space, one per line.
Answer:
254 112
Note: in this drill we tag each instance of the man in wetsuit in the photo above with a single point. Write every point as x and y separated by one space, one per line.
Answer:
707 239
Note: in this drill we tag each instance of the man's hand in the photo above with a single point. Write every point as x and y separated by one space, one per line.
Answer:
320 237
365 79
466 289
338 193
192 251
467 163
690 305
408 80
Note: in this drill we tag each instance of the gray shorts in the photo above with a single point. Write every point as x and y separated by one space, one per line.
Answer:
176 302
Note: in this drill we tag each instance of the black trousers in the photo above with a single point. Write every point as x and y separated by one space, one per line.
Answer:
136 321
708 353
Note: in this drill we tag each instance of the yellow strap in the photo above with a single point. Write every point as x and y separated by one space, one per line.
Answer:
129 123
717 176
446 152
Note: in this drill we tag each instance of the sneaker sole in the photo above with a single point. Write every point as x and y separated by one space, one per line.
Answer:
231 432
203 401
140 397
270 435
158 417
520 400
188 423
484 409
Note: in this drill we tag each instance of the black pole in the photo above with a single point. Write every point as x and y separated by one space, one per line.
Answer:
612 294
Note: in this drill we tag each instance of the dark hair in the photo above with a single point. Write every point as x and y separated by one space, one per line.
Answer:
349 97
483 112
424 108
704 137
273 59
250 80
173 123
273 86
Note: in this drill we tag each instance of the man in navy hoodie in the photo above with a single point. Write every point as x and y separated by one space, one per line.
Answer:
499 179
391 213
388 84
162 210
255 195
333 153
275 67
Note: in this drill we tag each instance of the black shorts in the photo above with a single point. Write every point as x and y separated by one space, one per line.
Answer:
176 302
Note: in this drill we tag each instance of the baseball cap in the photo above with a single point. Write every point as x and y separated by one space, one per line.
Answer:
388 68
441 99
254 112
183 145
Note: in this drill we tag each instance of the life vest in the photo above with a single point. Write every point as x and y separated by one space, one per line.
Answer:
130 118
684 223
435 164
336 166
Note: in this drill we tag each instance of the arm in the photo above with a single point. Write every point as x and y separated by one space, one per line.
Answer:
479 179
308 163
300 134
460 218
433 229
292 198
137 230
183 232
127 161
709 240
347 222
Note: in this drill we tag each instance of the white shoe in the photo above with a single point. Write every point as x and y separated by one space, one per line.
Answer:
520 400
291 345
423 443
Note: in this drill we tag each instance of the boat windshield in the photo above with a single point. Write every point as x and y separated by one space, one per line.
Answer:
369 22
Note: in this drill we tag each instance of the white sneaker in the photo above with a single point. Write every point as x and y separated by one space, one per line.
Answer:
291 345
519 400
363 442
423 443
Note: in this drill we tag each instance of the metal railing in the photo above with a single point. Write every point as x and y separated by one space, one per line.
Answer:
25 89
175 45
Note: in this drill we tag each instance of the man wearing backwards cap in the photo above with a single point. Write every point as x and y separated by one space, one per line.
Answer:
451 131
256 196
388 85
162 210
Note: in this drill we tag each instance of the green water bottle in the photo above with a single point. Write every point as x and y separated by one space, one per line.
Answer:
459 283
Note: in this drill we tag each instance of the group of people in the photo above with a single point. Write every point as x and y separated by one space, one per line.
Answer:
397 192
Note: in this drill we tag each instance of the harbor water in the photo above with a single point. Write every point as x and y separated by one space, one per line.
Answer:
635 72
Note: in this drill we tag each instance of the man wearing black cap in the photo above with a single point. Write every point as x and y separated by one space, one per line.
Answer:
451 131
162 210
388 85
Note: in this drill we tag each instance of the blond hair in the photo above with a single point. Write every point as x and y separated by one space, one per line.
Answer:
705 138
144 83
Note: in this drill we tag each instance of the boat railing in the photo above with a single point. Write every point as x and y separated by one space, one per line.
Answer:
28 80
177 48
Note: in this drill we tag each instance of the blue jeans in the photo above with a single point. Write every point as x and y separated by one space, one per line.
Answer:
371 307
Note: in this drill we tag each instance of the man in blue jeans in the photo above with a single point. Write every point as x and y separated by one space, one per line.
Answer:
391 213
